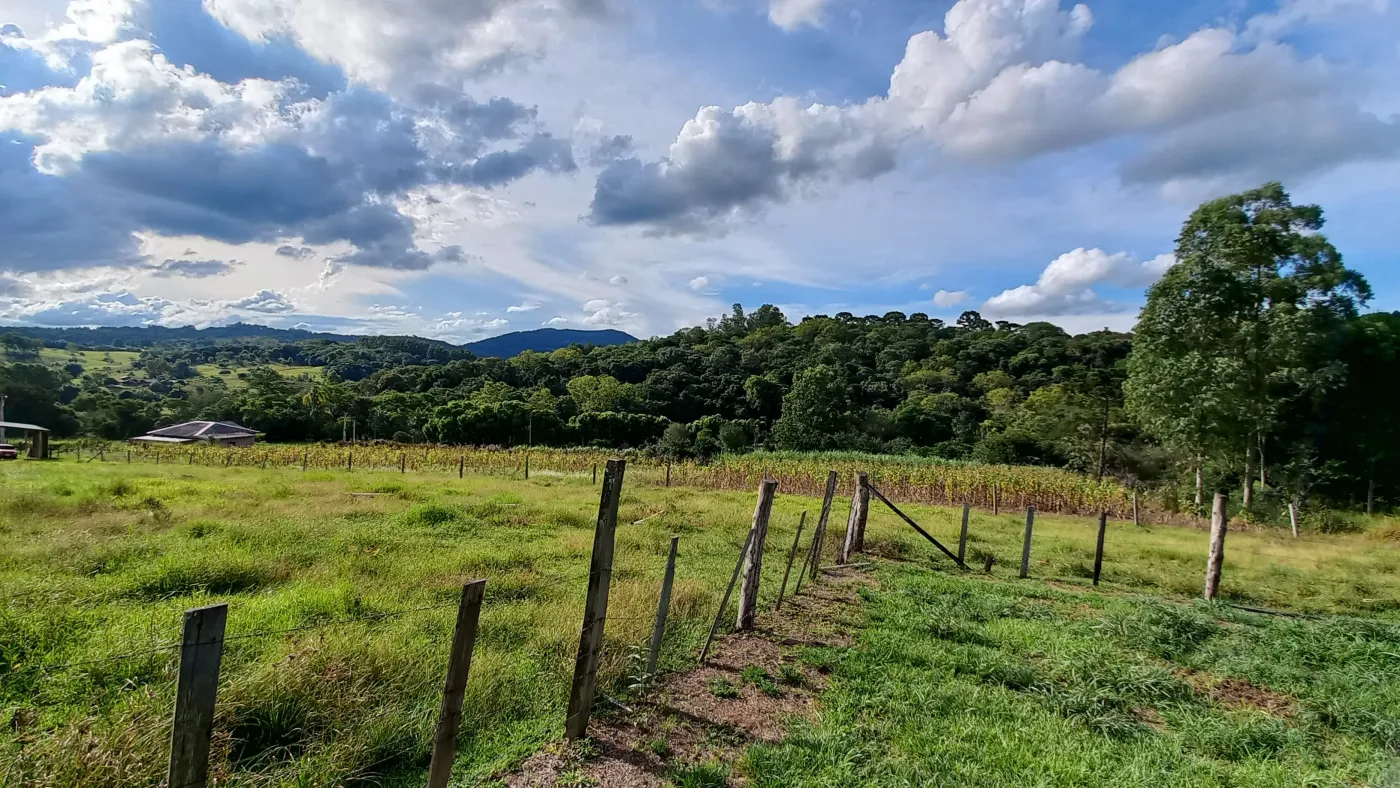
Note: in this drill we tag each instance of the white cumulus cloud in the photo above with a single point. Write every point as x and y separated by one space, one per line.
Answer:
1066 286
792 14
947 298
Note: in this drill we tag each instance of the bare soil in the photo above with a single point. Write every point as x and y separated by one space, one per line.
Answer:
1241 694
682 722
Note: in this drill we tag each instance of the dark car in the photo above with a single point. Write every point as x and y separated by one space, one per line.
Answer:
8 452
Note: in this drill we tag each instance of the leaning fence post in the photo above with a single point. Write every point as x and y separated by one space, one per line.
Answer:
668 473
753 561
728 590
1026 547
1098 548
1293 518
1216 557
658 629
792 554
819 535
962 535
201 652
459 665
595 611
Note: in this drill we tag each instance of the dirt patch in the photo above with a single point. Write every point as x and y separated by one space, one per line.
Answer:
1241 694
751 688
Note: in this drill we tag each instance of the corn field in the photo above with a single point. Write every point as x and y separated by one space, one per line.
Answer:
913 480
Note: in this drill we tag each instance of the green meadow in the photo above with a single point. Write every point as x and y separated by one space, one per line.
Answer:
341 588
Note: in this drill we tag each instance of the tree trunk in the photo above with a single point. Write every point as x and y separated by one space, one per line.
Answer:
1263 479
1200 484
1103 445
1371 490
1248 476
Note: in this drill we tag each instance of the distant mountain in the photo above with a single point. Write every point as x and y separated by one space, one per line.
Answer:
544 340
503 346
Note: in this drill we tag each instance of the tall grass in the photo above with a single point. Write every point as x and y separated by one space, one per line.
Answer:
98 560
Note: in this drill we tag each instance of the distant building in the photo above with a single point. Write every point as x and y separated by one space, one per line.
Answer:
220 433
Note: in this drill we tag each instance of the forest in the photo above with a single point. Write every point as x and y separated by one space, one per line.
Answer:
1252 366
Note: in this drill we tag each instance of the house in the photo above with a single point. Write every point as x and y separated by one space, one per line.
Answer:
219 433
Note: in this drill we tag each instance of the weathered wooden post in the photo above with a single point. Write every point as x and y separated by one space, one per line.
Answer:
863 511
201 652
264 460
461 465
668 473
303 457
1098 548
792 554
459 665
403 462
855 522
753 560
595 473
962 535
527 465
1136 519
987 563
191 458
1216 558
996 499
819 535
1293 518
728 591
658 630
128 456
595 611
350 461
1026 547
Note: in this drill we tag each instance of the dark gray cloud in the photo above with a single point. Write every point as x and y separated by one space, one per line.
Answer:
296 252
194 269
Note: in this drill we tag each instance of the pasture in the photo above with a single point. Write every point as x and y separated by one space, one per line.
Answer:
342 585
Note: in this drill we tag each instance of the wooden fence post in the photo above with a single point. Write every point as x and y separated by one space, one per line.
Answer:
962 535
191 458
595 473
819 535
1293 518
459 665
527 466
668 473
595 612
658 630
1216 558
303 457
264 460
753 561
862 511
1098 547
987 567
403 461
201 652
350 461
1136 519
996 499
728 590
792 554
1026 547
128 460
461 465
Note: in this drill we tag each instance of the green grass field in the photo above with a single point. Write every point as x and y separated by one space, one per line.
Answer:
957 678
233 381
115 363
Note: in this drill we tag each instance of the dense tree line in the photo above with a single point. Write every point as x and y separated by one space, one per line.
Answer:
1250 362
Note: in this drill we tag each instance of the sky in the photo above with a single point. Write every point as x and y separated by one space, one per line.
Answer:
457 169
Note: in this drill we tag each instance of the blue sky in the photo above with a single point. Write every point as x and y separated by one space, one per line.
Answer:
461 169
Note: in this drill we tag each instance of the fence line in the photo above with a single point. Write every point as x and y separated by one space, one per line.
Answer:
1049 490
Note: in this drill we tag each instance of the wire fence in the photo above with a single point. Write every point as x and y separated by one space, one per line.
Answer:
636 565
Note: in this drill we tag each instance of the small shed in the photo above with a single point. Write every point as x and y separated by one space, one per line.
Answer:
37 436
219 433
